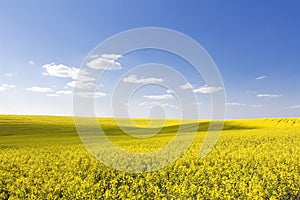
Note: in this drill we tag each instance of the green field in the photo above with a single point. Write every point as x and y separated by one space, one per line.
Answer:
43 158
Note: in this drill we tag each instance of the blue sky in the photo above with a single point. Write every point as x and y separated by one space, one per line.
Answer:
255 44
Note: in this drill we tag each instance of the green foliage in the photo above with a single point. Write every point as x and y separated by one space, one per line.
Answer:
43 158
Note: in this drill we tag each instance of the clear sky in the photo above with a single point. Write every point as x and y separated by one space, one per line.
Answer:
255 44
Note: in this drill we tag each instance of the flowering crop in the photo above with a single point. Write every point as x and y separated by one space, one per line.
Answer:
43 158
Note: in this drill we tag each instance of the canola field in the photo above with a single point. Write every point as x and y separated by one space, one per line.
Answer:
43 158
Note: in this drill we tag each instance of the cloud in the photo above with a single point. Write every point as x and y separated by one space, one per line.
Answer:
66 92
60 70
235 104
294 107
4 87
186 86
169 91
80 77
8 86
269 95
31 62
135 79
206 89
159 97
111 56
90 94
58 93
105 62
155 103
80 84
39 89
261 77
52 95
84 78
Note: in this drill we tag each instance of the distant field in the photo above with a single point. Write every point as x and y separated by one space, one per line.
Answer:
43 158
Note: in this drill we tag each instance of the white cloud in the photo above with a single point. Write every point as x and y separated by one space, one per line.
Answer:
135 79
52 95
186 86
269 95
60 70
39 89
31 62
206 89
111 56
4 87
80 84
58 93
159 97
169 91
235 104
66 92
80 78
149 104
155 103
91 94
84 78
105 62
261 77
294 107
8 86
82 81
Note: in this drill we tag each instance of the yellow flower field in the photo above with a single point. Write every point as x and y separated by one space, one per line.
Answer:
43 158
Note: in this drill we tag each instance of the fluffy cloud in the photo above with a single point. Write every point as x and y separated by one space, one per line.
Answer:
186 86
52 95
111 56
40 89
206 89
105 62
294 107
151 104
90 94
159 97
269 95
66 92
169 91
135 79
261 77
80 84
80 78
60 70
4 87
58 93
31 62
